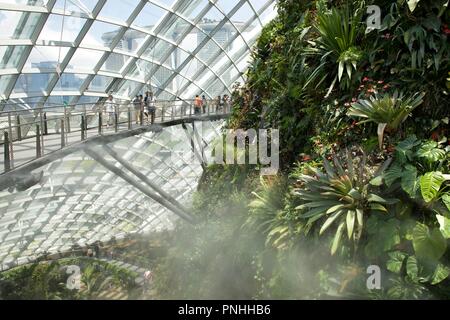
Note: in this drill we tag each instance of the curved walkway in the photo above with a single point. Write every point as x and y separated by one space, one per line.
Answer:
24 155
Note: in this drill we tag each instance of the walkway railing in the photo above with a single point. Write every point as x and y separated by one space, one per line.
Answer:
36 132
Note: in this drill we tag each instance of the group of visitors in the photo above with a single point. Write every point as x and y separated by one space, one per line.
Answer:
145 106
221 104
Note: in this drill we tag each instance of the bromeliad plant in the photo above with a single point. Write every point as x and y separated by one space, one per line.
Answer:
389 112
341 196
339 30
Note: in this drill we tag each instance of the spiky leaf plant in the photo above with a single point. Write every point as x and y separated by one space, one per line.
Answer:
340 197
339 30
388 111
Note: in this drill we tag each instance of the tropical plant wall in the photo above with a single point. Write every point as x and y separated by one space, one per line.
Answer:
363 116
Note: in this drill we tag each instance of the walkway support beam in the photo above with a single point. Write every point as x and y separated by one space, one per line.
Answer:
144 178
145 190
199 156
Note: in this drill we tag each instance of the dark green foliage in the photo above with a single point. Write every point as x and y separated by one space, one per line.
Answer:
309 66
48 280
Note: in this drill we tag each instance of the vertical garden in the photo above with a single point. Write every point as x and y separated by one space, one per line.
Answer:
363 116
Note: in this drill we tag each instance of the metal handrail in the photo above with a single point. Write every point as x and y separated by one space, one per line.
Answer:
85 120
65 106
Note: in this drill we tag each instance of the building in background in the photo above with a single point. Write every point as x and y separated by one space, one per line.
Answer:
131 41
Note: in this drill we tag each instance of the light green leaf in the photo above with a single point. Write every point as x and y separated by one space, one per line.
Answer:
349 70
431 152
412 268
351 215
428 244
341 70
375 198
378 207
377 181
444 225
430 184
335 208
329 221
359 217
337 238
412 4
446 200
442 272
380 132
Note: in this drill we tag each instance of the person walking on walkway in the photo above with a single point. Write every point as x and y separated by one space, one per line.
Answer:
198 103
219 104
148 279
152 107
226 103
110 110
137 108
204 103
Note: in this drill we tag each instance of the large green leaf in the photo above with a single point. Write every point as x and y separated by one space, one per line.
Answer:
431 152
404 149
430 245
383 236
410 182
395 263
393 173
430 184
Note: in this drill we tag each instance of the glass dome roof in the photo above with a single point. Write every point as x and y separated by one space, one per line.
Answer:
77 51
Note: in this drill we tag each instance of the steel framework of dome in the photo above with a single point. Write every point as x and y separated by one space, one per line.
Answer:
78 51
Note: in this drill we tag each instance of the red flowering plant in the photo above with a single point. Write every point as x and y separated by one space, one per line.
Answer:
369 87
